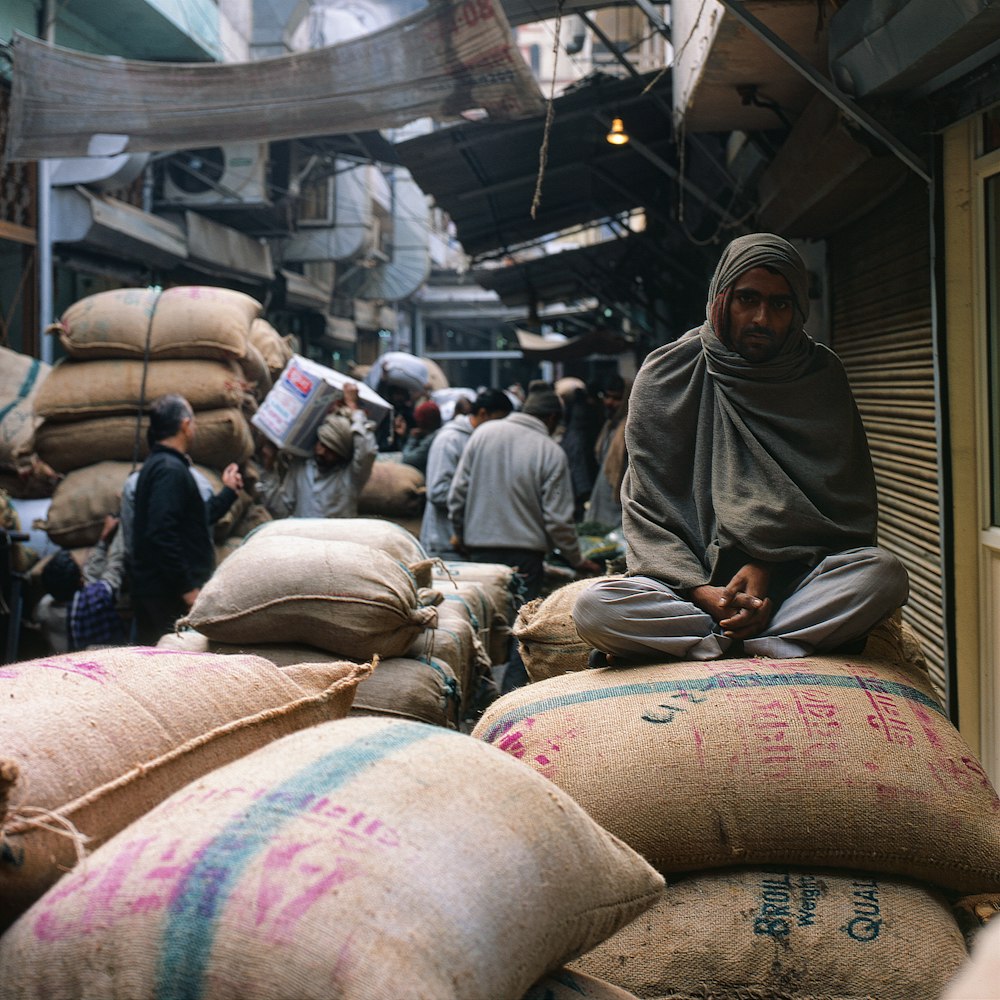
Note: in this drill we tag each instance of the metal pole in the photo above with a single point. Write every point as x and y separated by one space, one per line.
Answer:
45 292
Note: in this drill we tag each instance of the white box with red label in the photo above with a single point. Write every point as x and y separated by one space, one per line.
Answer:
300 399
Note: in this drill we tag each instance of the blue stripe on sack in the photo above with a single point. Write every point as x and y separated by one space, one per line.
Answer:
29 380
702 684
201 899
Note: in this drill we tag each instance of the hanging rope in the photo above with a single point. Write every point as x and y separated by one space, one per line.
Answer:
550 112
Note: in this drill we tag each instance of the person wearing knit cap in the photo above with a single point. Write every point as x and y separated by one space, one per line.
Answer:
748 504
328 483
426 423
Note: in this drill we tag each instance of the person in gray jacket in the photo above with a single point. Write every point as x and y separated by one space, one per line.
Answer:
442 460
511 499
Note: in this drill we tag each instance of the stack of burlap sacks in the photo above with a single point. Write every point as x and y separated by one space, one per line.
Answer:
127 347
820 821
308 589
176 822
21 377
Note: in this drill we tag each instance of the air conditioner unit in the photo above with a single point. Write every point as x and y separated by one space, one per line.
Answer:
232 175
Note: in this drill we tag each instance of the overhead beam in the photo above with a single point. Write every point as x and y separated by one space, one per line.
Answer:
873 127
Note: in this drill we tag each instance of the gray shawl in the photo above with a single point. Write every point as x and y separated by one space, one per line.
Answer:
730 460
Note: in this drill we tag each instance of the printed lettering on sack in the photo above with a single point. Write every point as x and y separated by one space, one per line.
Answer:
866 924
786 903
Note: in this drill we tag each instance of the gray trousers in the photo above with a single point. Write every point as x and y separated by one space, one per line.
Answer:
840 600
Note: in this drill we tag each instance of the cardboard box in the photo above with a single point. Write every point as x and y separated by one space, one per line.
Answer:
299 400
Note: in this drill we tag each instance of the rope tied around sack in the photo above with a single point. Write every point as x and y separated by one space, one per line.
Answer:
35 817
137 443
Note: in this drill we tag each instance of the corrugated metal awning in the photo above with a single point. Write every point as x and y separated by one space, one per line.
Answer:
484 174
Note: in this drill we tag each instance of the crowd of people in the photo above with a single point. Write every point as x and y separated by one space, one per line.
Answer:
736 469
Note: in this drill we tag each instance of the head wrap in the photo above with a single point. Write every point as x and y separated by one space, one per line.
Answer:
335 432
744 254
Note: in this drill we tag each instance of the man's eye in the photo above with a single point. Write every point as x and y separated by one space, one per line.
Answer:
780 305
746 299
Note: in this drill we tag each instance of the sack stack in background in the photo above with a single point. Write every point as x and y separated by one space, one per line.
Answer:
394 491
502 589
128 346
20 379
818 811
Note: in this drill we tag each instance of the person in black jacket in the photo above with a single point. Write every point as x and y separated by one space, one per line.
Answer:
172 551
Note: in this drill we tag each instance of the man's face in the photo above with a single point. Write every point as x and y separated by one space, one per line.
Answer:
761 313
326 458
612 399
189 429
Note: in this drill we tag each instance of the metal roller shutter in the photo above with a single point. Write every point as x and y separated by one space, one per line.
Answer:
881 321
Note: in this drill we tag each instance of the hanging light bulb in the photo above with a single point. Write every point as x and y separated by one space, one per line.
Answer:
617 136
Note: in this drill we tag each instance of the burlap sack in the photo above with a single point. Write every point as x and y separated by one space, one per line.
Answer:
772 934
280 654
223 436
93 740
818 761
979 977
375 532
82 390
503 589
546 634
256 372
345 598
21 378
326 865
422 690
81 502
393 490
457 644
190 321
274 349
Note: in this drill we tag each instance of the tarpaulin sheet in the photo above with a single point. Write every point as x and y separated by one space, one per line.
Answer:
450 57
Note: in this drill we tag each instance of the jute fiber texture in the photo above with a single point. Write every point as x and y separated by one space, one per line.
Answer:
393 490
190 321
818 761
21 378
378 534
223 436
82 500
274 349
93 740
786 933
496 610
328 865
546 633
346 598
457 644
422 690
80 390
